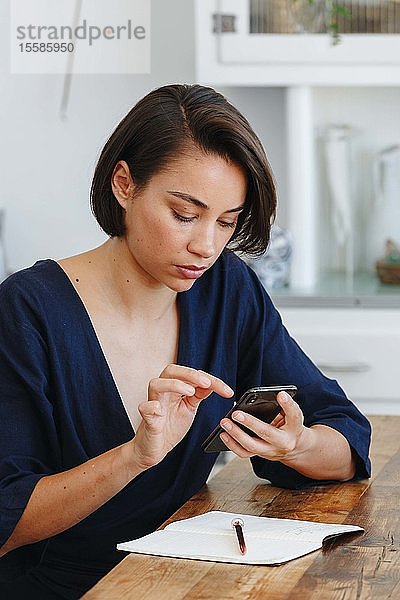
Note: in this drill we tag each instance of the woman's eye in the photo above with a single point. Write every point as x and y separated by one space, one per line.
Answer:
231 224
182 218
185 219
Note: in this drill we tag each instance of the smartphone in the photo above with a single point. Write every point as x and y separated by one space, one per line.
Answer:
260 402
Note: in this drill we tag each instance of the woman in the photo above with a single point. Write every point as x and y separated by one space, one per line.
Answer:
117 363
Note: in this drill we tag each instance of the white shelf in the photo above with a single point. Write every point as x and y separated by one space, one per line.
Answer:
333 290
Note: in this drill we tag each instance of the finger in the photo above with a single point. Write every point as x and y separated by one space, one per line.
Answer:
232 445
270 442
197 378
192 376
219 386
149 409
255 445
158 386
279 439
193 401
293 414
279 420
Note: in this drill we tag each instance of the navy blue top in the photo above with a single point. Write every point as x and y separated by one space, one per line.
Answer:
59 407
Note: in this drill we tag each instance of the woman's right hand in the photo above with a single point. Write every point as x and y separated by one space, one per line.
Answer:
173 399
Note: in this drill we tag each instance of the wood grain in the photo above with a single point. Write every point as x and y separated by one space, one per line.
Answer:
348 568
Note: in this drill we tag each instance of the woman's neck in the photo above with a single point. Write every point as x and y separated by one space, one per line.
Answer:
123 284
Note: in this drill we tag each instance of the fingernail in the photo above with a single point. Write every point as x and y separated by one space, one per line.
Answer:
226 425
238 416
228 390
204 381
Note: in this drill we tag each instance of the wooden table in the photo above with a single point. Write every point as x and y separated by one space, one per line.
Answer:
360 567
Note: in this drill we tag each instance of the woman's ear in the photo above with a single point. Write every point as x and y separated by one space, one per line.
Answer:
122 183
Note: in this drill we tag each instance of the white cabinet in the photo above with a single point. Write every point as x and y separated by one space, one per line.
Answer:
230 53
360 348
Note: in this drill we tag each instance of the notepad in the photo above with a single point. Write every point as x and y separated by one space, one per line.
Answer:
210 537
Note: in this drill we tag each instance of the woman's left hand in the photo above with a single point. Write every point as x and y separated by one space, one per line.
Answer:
279 441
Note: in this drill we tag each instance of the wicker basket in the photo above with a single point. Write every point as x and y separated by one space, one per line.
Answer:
388 272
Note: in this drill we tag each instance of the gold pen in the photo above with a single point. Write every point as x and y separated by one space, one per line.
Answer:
238 526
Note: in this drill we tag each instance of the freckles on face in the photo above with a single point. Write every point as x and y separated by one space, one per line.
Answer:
149 235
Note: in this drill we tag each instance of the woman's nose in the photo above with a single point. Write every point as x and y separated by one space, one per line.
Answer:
202 242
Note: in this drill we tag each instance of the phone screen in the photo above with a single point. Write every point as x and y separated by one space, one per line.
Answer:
260 402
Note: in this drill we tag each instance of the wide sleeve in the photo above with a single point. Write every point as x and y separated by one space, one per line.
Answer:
28 440
269 355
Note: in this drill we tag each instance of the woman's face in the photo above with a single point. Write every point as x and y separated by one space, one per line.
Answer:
177 227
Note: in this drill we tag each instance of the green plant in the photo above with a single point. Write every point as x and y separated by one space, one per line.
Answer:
318 16
336 11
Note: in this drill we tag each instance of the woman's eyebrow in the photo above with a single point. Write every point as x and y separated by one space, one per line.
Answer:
199 203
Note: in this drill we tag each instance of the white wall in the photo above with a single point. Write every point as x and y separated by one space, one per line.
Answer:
47 163
265 110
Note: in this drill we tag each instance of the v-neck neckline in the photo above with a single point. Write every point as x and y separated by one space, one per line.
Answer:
100 352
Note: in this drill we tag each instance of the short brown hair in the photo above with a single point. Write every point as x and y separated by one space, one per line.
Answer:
166 121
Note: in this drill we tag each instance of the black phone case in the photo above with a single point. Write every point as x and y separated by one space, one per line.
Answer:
260 402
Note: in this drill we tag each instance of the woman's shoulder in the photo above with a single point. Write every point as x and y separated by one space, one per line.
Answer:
230 285
230 265
40 271
35 285
36 272
237 276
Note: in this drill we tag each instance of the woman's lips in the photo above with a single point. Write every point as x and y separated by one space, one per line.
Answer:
190 271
